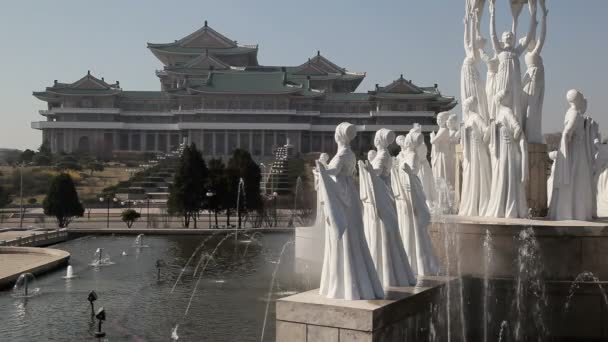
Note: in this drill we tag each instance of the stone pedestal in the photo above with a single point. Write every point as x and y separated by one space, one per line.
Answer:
538 167
407 314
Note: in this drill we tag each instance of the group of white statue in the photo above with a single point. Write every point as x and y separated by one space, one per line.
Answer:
502 116
376 236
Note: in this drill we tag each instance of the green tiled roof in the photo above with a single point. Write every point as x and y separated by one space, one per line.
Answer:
249 83
347 97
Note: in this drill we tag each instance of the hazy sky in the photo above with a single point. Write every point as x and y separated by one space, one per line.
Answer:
46 40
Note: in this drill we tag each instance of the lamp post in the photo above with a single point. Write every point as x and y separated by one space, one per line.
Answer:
274 199
108 199
21 195
148 209
209 195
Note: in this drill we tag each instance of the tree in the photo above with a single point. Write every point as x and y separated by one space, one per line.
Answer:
41 159
32 201
187 193
62 201
241 165
217 186
5 197
68 162
27 156
129 217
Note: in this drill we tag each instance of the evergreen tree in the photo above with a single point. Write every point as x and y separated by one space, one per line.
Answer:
217 186
5 197
187 193
129 217
62 201
241 165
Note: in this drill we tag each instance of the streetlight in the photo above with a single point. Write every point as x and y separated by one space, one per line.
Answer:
274 199
209 195
108 199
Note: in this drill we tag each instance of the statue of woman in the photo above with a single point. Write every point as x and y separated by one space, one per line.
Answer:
348 269
510 167
423 167
319 221
508 77
441 148
470 82
601 180
534 83
476 167
492 63
454 129
414 216
572 197
380 216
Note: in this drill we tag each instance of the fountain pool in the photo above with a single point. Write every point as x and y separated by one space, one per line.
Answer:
229 303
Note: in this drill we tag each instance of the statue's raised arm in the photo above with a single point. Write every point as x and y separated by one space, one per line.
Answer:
543 30
531 29
495 43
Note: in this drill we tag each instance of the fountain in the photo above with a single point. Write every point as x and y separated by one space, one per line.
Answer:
272 281
23 287
139 242
174 336
100 259
69 273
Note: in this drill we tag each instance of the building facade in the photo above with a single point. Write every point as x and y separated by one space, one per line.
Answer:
215 94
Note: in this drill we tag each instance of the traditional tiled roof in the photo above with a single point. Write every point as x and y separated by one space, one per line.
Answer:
87 85
204 40
347 97
249 83
402 89
147 95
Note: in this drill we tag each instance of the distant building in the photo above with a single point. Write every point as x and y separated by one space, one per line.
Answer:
215 94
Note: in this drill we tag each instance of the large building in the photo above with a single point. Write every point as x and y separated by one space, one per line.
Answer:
215 93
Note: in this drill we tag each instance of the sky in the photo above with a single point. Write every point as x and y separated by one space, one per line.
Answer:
47 40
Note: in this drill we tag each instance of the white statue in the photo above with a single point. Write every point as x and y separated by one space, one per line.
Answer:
492 63
380 216
320 219
601 180
573 193
441 149
371 155
476 166
423 168
413 216
509 152
552 156
534 83
348 269
454 129
470 82
508 77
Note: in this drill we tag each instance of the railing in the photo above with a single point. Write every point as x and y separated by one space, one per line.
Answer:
234 111
31 240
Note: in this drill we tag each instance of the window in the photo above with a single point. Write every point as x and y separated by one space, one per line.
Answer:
268 142
220 143
150 142
244 140
257 143
207 143
232 141
135 142
162 142
123 141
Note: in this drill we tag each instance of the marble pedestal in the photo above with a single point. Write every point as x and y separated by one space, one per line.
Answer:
539 167
406 314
